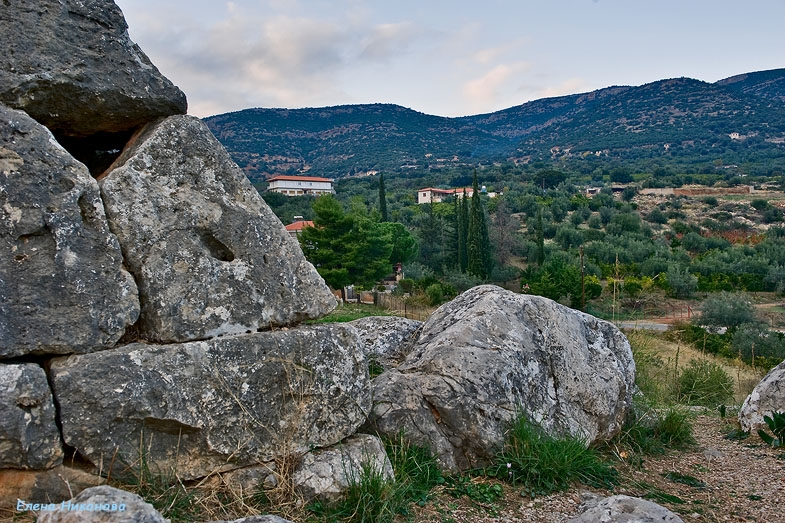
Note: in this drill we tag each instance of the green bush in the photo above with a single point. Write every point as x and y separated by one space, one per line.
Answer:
438 293
706 341
674 428
680 282
407 284
705 383
753 341
650 430
544 464
725 309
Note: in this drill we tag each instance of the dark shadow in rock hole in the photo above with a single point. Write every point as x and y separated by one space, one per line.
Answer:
97 151
215 247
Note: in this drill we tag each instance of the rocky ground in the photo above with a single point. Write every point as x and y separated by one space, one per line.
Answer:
717 480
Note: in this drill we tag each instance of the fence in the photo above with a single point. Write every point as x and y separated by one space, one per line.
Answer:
401 307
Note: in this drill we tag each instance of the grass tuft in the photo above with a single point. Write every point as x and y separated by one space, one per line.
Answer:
543 464
373 498
705 383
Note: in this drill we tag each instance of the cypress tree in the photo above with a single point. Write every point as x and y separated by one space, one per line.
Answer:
462 226
382 200
540 238
479 244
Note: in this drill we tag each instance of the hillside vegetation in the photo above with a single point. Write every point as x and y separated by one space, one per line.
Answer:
737 123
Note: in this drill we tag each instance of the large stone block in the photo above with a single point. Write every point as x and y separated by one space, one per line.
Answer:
492 355
29 438
766 398
102 504
327 474
625 509
209 256
208 406
71 65
387 339
63 288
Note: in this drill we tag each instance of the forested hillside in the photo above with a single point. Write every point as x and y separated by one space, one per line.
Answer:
737 123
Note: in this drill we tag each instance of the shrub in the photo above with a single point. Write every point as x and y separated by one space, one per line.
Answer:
657 216
706 341
438 293
407 284
461 281
544 464
650 431
726 309
680 282
705 383
674 429
755 341
594 222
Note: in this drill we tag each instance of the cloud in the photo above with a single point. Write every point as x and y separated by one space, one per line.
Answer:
490 54
484 93
387 41
243 58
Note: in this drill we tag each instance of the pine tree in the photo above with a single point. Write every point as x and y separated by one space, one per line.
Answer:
382 200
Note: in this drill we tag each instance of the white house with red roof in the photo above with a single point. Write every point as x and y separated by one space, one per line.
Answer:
300 185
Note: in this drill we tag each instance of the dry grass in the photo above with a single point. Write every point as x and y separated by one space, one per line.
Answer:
675 356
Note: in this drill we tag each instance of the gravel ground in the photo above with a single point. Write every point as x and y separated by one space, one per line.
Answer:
717 480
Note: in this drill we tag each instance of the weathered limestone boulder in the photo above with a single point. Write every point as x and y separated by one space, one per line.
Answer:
44 486
215 405
492 355
71 65
29 438
102 504
209 256
387 339
328 473
766 398
62 285
625 509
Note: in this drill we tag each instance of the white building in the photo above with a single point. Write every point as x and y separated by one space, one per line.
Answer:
431 195
300 185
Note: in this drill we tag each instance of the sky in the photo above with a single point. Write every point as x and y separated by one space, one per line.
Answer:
447 58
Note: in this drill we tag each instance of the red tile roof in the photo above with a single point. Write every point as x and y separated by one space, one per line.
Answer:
299 226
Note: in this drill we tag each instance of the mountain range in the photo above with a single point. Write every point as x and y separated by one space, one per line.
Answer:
737 122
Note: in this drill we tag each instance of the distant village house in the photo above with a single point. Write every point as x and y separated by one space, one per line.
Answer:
300 185
296 227
431 195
